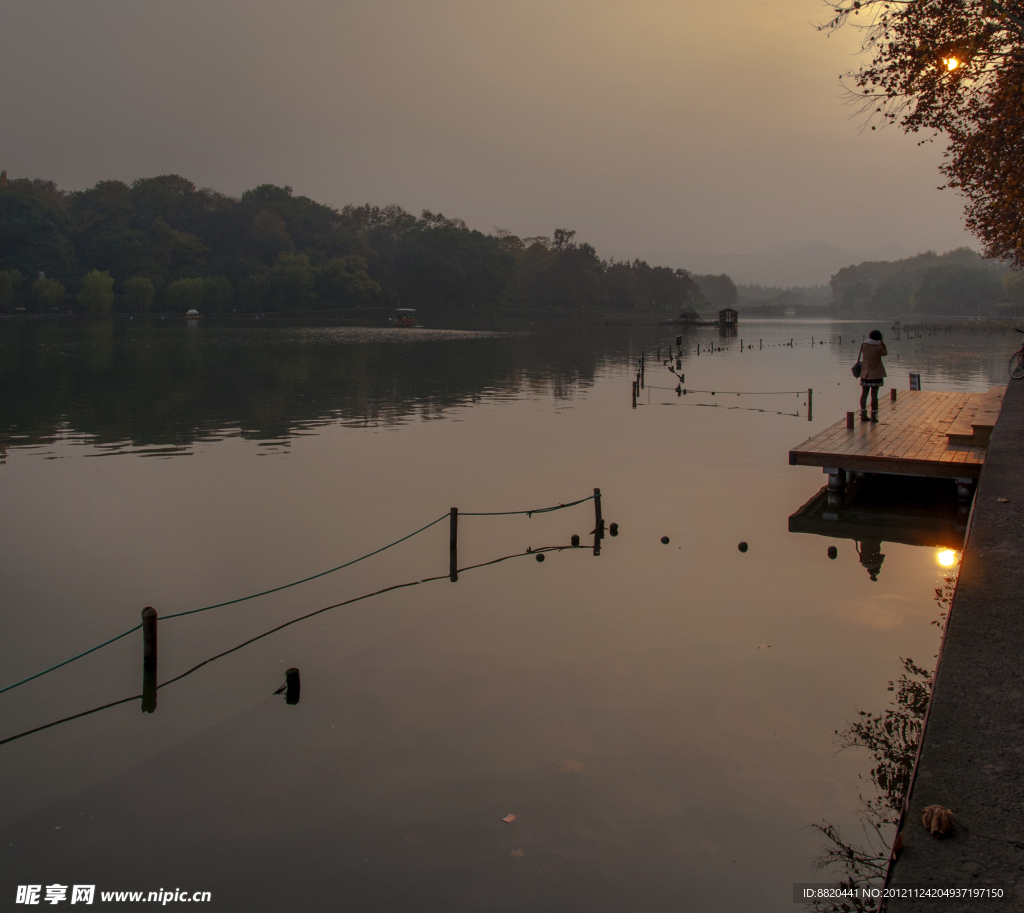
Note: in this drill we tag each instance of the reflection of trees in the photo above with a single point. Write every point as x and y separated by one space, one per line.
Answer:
892 737
154 382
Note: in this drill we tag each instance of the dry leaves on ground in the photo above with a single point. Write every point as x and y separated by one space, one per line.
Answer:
938 819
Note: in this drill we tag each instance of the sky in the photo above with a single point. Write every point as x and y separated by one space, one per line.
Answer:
694 126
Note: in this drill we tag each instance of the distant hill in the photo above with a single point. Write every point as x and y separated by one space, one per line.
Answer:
784 265
959 282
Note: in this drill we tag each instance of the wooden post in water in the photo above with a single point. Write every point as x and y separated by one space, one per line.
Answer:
598 522
759 344
634 394
810 395
453 545
149 655
293 686
679 341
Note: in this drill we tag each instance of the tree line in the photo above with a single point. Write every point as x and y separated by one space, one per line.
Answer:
161 244
960 282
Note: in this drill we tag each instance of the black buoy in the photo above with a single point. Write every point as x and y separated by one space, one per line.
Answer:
743 546
575 540
614 529
664 540
833 552
540 557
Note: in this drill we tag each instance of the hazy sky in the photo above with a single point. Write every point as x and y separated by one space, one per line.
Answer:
705 125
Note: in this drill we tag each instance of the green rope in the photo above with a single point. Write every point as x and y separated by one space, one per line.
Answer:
73 658
277 589
198 666
217 605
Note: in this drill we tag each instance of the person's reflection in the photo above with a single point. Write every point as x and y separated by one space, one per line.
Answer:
871 557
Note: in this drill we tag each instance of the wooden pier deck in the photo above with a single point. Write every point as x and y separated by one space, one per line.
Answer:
924 433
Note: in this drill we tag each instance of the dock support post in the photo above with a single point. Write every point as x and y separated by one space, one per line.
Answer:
849 420
892 395
810 395
679 342
598 522
634 394
965 489
836 487
453 545
149 655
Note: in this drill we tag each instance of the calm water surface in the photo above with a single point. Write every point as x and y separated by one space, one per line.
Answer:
661 719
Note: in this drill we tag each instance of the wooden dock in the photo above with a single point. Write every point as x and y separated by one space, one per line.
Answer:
923 433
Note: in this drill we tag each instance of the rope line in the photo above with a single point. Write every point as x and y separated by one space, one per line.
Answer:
217 605
509 513
277 589
72 659
736 392
397 586
68 719
338 605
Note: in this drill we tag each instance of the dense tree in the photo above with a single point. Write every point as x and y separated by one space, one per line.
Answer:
35 229
720 291
10 285
344 280
96 294
139 293
217 294
957 282
956 289
185 294
47 293
954 67
291 282
271 249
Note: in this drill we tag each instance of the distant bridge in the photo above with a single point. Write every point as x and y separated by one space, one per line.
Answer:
779 310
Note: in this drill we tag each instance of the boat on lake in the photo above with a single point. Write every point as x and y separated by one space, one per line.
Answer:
404 317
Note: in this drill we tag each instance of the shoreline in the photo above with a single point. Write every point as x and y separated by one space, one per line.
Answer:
971 757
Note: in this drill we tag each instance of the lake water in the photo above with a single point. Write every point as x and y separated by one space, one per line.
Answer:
660 718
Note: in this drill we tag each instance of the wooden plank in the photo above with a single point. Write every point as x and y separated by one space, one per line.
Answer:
911 437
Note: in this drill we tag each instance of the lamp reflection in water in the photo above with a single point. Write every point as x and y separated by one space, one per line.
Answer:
873 510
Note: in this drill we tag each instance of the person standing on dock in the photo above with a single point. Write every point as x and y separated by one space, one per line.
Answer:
872 373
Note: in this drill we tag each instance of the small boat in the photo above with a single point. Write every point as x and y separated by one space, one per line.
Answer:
192 314
404 317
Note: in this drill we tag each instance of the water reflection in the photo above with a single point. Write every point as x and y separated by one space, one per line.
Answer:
891 737
877 509
156 388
